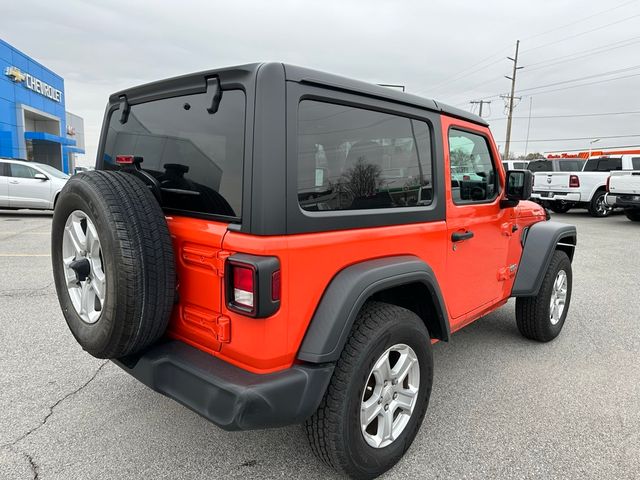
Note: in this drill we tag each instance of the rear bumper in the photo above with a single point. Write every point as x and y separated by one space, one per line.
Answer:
624 201
556 196
228 396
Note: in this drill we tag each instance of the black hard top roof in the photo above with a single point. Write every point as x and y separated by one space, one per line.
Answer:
298 74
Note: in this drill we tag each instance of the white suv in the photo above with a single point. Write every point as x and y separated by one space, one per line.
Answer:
29 184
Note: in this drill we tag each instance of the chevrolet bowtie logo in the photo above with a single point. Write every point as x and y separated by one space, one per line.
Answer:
15 74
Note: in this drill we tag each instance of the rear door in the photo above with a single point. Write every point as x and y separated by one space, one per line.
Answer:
478 229
4 185
26 191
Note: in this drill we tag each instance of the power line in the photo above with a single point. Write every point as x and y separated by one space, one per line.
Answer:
580 20
588 50
566 88
579 55
582 33
599 148
587 84
577 115
588 77
575 138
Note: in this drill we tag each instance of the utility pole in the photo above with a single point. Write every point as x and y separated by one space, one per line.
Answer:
511 98
481 103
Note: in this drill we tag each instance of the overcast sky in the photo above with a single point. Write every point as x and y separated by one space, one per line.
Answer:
452 51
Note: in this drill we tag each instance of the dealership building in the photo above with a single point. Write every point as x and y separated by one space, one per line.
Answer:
34 124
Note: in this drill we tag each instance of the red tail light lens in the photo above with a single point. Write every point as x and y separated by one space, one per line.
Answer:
275 286
124 159
243 286
574 181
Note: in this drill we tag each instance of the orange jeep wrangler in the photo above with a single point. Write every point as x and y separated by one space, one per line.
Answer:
271 245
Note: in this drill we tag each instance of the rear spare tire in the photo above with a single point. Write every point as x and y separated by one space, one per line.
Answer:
113 263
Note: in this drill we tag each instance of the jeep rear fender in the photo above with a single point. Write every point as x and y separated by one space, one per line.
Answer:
539 242
350 289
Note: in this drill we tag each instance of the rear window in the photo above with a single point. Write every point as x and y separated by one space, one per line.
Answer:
570 165
635 163
540 166
197 157
603 164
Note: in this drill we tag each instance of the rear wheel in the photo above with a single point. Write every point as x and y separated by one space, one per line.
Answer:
378 395
112 262
542 317
598 206
633 215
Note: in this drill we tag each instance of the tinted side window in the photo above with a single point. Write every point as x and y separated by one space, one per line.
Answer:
609 164
603 164
21 171
635 163
519 165
4 170
350 158
473 175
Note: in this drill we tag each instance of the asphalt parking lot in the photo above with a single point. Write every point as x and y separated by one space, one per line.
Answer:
502 406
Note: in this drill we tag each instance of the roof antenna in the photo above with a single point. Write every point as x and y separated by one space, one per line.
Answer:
213 84
124 109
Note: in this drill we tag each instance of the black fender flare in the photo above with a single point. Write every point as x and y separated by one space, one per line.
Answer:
539 242
349 290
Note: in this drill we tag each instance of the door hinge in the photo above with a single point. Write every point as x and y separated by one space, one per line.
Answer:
219 262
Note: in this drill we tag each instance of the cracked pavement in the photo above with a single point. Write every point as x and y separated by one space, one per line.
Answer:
501 407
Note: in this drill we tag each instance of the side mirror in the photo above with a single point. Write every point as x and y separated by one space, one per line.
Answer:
41 176
519 187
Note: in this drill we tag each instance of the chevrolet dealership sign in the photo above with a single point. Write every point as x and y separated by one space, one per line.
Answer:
33 83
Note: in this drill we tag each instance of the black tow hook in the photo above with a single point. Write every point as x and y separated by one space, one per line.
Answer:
82 268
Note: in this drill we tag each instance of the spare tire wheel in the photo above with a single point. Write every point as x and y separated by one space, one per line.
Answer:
113 263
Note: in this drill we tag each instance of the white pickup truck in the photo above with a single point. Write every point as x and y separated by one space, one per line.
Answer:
561 191
624 191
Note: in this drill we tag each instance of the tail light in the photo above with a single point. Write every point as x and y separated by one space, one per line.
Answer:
253 285
243 286
124 159
574 181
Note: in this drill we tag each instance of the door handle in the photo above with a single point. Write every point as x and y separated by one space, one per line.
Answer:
459 236
14 182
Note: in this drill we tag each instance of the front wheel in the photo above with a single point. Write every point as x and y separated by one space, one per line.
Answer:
598 206
378 394
542 317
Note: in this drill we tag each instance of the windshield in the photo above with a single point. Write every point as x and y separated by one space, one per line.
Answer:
54 172
197 157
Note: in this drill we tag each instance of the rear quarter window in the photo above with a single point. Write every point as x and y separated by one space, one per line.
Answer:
350 159
187 150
